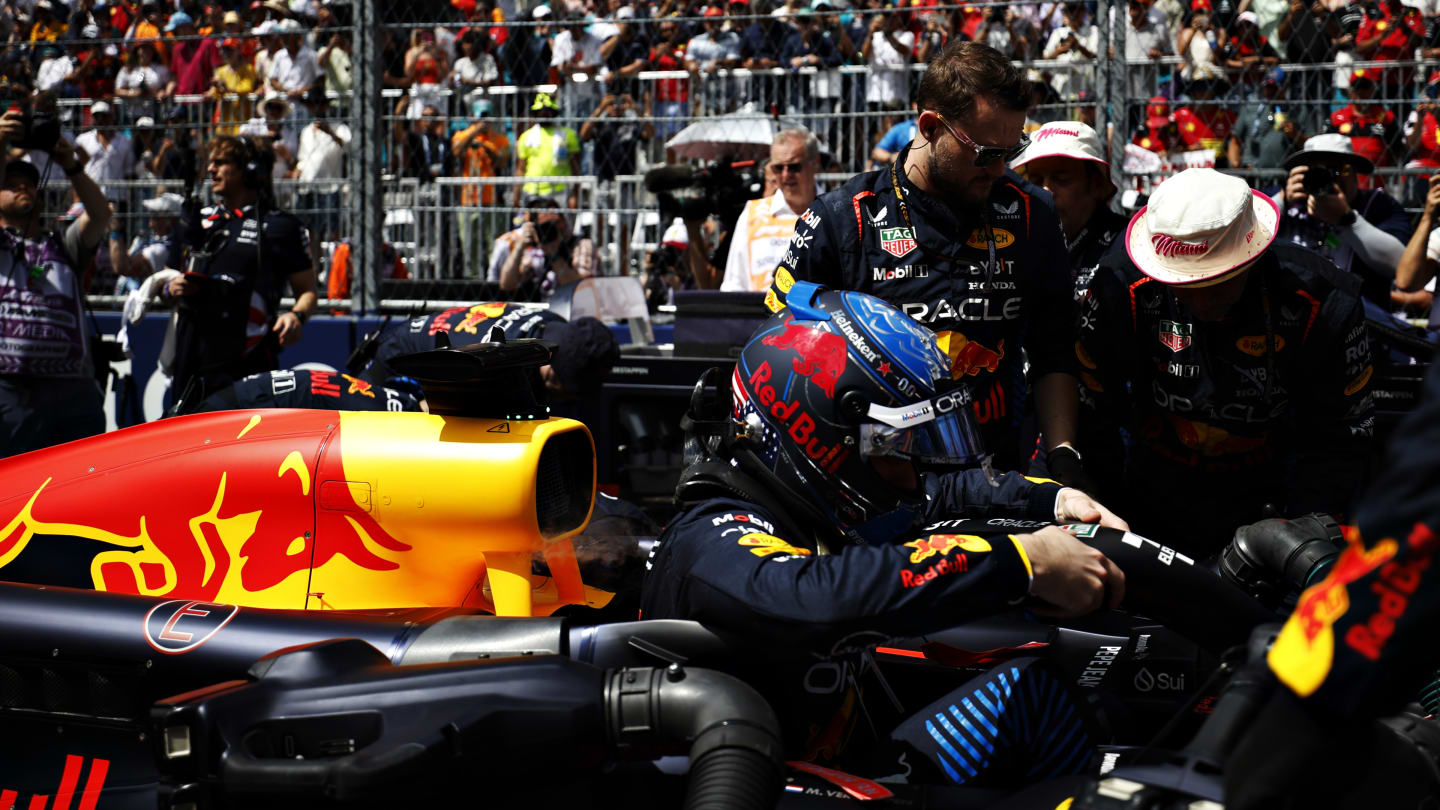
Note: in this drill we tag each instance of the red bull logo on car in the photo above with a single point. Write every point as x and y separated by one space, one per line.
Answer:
821 354
967 357
235 520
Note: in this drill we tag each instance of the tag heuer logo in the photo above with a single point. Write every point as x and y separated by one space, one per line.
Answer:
898 242
1175 336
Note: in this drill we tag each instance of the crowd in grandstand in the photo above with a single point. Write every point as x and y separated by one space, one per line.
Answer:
595 87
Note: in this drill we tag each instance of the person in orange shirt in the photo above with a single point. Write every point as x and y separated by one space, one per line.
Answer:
147 27
338 283
483 151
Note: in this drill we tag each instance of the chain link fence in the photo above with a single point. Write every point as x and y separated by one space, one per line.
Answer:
426 131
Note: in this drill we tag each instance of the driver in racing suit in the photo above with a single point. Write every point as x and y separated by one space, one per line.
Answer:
820 525
971 251
1239 369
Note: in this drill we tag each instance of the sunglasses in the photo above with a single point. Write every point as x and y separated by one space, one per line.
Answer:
987 155
793 168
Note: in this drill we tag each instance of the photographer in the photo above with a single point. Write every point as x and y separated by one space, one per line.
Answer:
48 392
1324 209
237 256
542 251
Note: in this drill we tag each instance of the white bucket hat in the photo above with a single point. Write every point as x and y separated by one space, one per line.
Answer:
1200 227
1330 145
1069 139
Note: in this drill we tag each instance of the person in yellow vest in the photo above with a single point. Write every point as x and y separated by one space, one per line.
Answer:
766 226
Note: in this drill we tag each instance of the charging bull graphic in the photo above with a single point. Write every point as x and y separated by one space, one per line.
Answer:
821 354
230 517
968 358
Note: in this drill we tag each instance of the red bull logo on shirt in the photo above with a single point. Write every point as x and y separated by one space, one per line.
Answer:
943 544
479 314
969 358
1305 649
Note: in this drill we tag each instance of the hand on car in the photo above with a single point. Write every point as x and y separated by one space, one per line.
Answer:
1074 506
1070 577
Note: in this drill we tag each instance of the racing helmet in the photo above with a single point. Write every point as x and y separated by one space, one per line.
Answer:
839 377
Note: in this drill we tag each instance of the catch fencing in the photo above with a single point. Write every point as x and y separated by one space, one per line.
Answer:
627 80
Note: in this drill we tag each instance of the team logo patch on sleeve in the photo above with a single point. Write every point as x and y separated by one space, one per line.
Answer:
943 544
783 280
763 545
898 242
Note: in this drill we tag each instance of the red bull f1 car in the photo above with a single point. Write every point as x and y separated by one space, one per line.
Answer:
316 608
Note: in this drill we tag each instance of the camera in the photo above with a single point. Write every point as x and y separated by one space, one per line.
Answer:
41 127
1319 181
545 232
41 130
689 192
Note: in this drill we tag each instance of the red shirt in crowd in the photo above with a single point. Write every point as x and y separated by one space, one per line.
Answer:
1157 139
1427 152
1205 128
193 63
1370 134
670 59
1396 43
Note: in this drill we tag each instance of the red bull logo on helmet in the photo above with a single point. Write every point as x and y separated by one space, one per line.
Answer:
797 424
821 354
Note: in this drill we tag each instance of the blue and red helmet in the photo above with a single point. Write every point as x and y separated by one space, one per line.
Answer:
840 377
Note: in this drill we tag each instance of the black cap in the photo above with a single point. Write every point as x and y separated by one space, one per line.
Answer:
586 350
23 167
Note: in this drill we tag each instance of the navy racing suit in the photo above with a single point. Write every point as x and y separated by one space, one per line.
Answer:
988 286
805 618
1269 405
734 564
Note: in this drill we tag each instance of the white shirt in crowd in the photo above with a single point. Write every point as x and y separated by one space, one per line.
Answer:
321 156
296 72
53 71
154 77
762 234
112 161
1076 79
889 69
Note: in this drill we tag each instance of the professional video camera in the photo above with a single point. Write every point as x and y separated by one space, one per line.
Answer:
695 192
